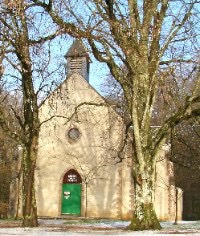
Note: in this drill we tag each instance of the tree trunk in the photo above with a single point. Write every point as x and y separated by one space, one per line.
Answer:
30 141
176 212
18 195
29 207
144 217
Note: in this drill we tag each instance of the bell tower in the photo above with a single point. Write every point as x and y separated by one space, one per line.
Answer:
78 60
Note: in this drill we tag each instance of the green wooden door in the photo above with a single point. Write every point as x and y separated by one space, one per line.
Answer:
71 199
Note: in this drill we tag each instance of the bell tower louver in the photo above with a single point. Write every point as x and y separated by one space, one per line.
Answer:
78 60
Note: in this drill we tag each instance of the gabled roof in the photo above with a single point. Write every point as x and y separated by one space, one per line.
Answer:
77 50
86 83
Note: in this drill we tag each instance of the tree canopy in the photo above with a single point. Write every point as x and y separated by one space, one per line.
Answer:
138 41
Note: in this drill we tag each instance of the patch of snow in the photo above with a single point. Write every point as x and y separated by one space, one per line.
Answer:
47 232
51 221
183 228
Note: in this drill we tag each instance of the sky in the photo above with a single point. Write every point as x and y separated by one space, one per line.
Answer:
41 57
98 71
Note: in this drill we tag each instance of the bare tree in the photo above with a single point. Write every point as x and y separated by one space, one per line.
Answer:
186 156
135 38
24 38
7 151
184 139
5 175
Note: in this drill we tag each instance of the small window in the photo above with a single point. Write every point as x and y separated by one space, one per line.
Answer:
74 133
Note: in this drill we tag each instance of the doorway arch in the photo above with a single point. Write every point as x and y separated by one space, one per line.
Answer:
71 193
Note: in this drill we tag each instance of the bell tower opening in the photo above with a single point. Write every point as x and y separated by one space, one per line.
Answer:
78 60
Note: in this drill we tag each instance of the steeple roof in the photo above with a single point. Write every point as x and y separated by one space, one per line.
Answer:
77 50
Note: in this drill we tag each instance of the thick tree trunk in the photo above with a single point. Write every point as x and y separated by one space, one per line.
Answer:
144 217
30 142
29 208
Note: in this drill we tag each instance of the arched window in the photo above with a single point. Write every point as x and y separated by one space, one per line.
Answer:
72 177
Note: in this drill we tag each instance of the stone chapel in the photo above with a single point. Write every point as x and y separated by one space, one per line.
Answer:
78 171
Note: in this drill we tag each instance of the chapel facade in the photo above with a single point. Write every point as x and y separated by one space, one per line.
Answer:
78 169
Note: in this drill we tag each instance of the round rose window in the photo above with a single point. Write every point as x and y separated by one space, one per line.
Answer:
74 133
